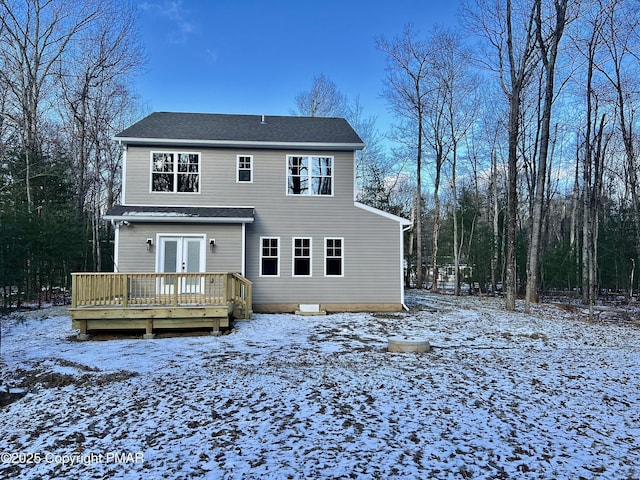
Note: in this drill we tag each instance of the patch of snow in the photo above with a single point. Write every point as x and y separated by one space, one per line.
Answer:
157 214
502 395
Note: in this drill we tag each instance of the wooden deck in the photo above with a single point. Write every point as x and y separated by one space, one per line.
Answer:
152 301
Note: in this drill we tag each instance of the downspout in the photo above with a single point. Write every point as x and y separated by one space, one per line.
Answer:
116 239
124 171
244 248
116 244
406 229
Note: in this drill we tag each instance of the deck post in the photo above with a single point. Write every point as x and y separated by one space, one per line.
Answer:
216 327
83 335
74 291
125 292
149 333
177 282
248 301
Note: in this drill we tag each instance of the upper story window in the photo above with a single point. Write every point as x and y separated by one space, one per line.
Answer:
309 175
245 169
175 172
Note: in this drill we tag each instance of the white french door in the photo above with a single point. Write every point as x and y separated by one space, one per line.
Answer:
181 254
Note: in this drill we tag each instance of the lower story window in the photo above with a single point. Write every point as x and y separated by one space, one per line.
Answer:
301 257
270 257
334 256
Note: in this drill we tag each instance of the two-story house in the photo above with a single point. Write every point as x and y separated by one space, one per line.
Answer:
269 197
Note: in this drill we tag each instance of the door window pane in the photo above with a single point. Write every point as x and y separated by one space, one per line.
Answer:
170 261
193 255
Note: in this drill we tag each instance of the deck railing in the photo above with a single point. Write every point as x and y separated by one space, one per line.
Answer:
127 290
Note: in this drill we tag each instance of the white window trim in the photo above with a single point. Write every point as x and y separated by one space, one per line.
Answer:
341 257
175 173
238 168
293 257
286 176
261 257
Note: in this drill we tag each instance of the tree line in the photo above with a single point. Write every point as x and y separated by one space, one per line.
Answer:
513 150
516 148
523 124
65 69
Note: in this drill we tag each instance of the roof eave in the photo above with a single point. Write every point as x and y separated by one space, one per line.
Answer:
402 221
240 143
175 219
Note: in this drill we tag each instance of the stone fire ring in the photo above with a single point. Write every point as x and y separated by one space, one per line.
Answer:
406 344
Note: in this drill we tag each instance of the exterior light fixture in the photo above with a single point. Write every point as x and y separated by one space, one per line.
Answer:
212 244
149 244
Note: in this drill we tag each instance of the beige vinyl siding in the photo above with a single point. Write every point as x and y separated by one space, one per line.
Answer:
371 257
134 256
218 185
372 263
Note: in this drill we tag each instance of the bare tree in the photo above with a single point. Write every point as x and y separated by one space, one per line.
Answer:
438 93
93 77
509 31
621 31
34 35
549 34
372 165
323 100
407 69
458 88
603 42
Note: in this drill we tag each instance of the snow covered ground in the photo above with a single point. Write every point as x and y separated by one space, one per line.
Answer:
501 396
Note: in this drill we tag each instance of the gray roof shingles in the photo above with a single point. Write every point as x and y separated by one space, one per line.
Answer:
208 127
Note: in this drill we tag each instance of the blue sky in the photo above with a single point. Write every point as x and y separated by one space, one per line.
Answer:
247 56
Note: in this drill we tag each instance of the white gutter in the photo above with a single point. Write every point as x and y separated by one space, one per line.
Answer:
405 229
241 143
